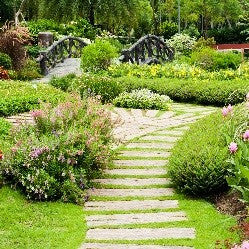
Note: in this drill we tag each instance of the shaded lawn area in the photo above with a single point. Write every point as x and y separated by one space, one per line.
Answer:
37 225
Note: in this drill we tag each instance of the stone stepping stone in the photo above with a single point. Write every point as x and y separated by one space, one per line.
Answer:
149 163
150 145
129 182
153 192
141 234
160 138
144 154
129 246
151 113
141 218
171 132
137 113
130 205
137 172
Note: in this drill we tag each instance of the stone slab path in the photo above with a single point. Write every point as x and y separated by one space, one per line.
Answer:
133 201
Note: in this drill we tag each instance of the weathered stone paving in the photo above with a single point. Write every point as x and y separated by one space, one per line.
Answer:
135 191
136 183
119 246
141 233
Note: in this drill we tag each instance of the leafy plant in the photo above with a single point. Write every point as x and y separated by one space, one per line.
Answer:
237 136
57 156
98 55
210 59
105 88
4 128
29 71
5 61
182 43
33 51
143 99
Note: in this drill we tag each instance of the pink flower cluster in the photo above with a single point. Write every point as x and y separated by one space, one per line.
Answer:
233 147
245 245
37 113
227 110
246 135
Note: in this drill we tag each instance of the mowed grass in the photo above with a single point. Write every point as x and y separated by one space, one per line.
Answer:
39 225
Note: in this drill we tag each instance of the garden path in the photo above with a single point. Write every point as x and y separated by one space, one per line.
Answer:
70 65
133 205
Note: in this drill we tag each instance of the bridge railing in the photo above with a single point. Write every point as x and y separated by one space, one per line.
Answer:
67 47
148 49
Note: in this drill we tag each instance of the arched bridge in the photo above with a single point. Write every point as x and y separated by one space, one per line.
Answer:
147 50
67 47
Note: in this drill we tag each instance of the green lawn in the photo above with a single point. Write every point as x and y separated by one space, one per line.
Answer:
36 225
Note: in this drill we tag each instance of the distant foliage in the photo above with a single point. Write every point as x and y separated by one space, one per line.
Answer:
210 59
168 29
182 43
98 55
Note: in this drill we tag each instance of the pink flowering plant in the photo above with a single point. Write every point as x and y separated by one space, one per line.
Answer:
56 158
236 131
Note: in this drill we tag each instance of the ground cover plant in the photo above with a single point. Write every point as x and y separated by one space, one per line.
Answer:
57 156
38 225
143 99
18 97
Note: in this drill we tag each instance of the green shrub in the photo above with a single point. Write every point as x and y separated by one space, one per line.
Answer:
57 156
33 51
143 99
64 83
210 59
29 71
168 29
4 128
182 43
90 85
198 163
203 43
98 55
5 61
17 97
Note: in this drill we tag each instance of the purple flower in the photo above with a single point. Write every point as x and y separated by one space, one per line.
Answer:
233 147
246 135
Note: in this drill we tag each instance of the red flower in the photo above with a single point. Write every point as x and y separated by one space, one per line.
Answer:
1 155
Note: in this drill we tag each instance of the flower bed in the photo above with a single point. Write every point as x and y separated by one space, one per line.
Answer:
57 157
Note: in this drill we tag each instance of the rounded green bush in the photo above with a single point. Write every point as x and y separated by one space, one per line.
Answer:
98 55
5 61
198 163
210 59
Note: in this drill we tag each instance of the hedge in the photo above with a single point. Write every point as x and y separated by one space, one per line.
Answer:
17 97
207 92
